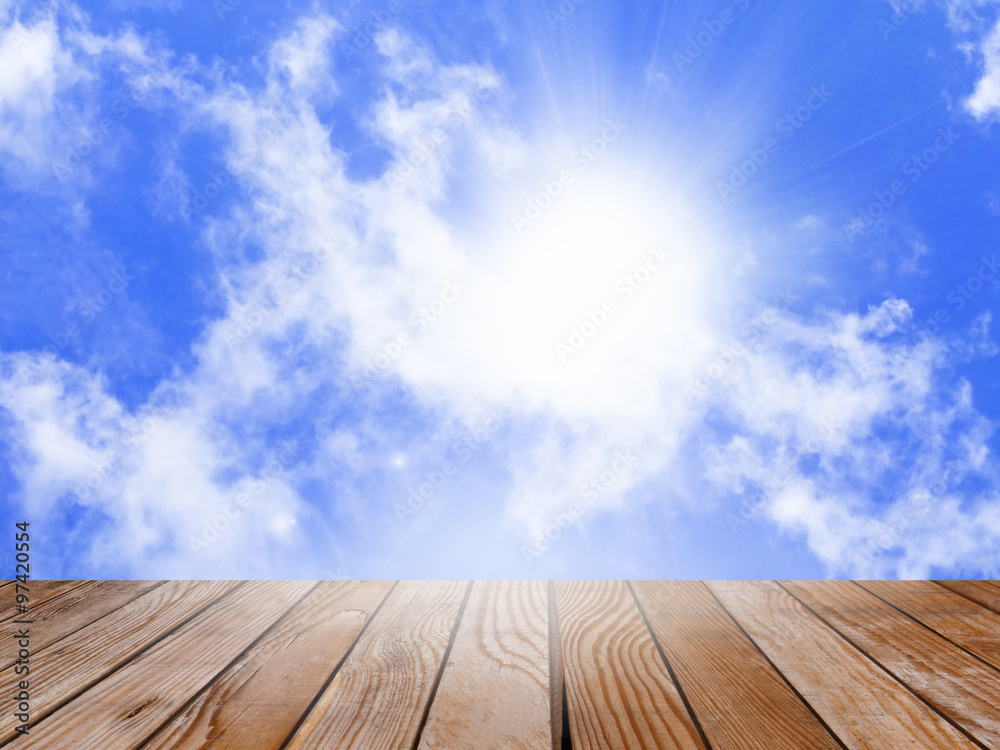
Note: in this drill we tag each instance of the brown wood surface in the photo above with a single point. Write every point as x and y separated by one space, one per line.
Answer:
557 683
39 593
759 665
863 705
256 703
76 661
619 691
955 617
956 683
125 708
986 593
378 697
77 608
740 700
494 692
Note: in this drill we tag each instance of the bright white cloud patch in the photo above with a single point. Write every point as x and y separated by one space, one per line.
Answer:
965 16
985 101
35 69
52 128
589 303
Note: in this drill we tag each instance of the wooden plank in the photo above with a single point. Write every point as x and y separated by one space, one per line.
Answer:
987 593
125 708
862 704
378 697
740 700
93 652
559 716
494 692
619 691
956 683
256 702
78 608
961 621
39 592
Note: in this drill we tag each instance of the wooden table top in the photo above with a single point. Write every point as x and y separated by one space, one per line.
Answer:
740 665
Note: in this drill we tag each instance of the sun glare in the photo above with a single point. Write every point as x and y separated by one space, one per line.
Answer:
607 285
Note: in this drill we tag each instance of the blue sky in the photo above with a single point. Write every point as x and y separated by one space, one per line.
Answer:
501 289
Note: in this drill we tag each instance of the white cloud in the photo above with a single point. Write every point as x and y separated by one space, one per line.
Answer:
964 16
891 442
34 69
985 100
515 320
54 128
156 474
300 62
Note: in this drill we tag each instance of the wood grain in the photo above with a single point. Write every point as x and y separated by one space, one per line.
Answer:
378 697
494 692
986 593
444 665
740 700
557 684
961 621
125 708
77 608
619 691
862 704
39 593
256 702
93 652
957 684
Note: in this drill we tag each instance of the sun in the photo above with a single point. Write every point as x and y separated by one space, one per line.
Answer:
609 289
